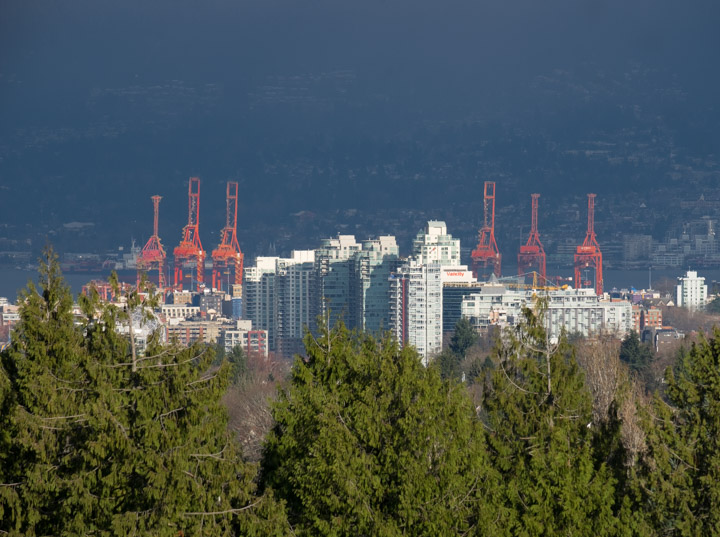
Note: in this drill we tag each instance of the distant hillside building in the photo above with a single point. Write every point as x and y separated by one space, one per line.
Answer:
637 248
211 302
662 337
9 313
650 318
691 291
644 318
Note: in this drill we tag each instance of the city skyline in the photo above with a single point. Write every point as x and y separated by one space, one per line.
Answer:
335 267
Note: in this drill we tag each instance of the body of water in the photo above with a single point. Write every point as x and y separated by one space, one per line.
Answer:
12 280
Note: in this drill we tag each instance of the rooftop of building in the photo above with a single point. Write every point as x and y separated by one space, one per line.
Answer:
342 242
436 227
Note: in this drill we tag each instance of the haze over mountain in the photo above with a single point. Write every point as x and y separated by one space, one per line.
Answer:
367 114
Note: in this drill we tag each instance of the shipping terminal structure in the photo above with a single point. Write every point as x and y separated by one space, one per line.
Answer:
487 255
269 305
189 257
532 255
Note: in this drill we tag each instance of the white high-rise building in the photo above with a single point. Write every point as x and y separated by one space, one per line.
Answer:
334 266
691 291
259 296
352 281
295 291
370 286
416 307
279 296
416 289
435 245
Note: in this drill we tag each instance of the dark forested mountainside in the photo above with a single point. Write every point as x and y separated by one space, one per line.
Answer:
367 117
318 153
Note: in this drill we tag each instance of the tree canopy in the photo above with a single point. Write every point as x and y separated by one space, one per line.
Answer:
537 414
99 439
99 436
449 361
679 475
635 353
369 442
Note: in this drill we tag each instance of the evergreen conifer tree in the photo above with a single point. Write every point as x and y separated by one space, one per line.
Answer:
679 475
538 414
45 407
369 442
99 438
449 361
463 338
634 352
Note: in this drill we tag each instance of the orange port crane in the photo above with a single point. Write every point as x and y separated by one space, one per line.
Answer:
228 252
588 254
487 254
190 248
532 254
153 255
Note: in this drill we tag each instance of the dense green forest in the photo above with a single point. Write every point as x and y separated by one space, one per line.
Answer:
537 438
